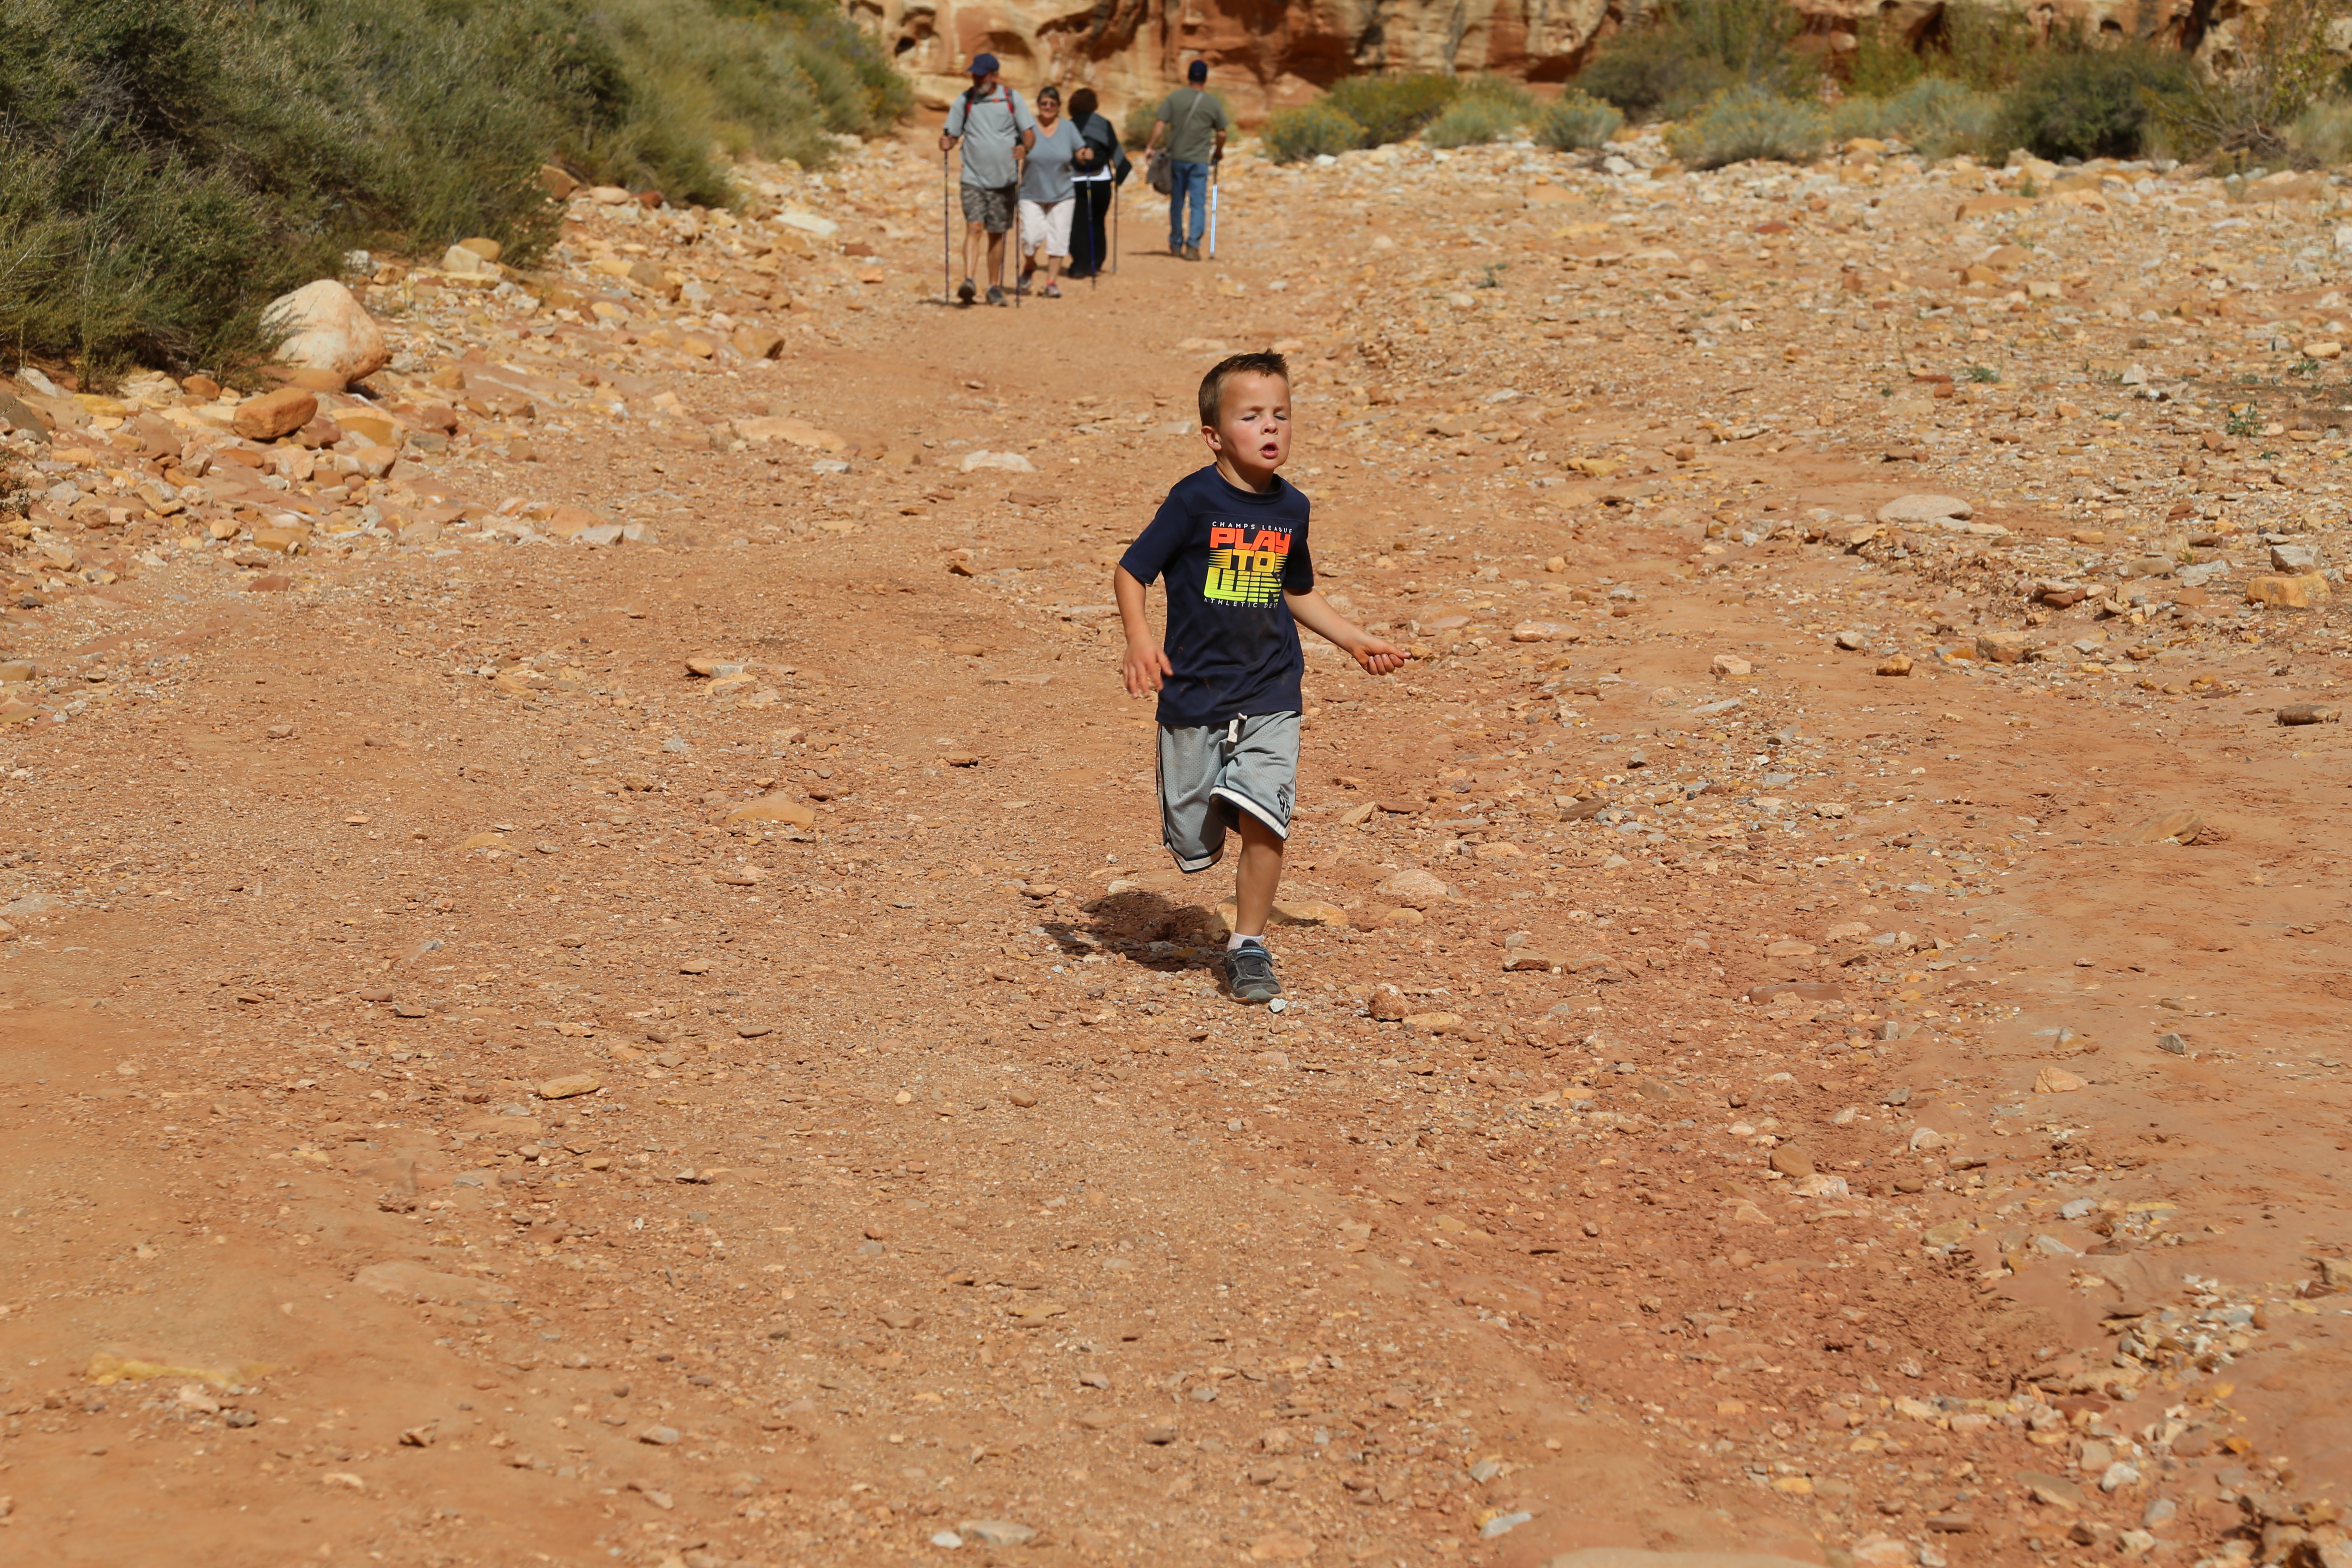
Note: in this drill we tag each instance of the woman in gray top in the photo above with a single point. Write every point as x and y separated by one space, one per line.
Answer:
1047 195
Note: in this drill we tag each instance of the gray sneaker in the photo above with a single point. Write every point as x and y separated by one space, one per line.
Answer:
1249 974
995 295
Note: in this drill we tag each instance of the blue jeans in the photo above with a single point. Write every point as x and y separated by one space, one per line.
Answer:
1187 180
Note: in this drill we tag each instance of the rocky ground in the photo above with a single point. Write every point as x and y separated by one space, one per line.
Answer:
590 978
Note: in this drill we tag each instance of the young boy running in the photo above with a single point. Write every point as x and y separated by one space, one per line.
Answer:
1232 541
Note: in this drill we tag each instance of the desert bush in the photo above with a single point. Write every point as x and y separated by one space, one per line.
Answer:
1392 108
2082 99
1309 131
1939 118
2255 105
1748 122
2321 134
168 166
1861 116
1982 46
1575 121
1884 62
1693 52
1476 121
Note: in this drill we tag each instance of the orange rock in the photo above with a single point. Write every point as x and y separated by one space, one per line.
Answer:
275 414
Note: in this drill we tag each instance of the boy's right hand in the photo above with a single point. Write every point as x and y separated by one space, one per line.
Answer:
1145 668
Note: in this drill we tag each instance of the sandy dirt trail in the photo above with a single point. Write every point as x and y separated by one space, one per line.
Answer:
1815 1022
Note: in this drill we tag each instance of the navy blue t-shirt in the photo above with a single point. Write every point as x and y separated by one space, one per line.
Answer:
1229 555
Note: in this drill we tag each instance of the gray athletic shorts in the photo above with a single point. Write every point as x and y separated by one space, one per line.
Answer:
989 207
1208 775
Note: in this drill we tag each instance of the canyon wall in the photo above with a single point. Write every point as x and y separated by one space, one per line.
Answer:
1265 55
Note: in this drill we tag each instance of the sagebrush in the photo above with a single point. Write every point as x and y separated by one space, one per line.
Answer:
2082 98
1748 122
1309 131
1575 121
168 166
1475 121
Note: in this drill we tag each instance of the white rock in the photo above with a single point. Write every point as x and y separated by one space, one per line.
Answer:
463 262
1003 462
1925 510
332 330
809 223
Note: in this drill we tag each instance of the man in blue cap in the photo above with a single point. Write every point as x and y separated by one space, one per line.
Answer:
996 130
1194 124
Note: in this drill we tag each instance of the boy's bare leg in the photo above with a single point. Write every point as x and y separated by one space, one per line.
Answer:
1257 876
975 238
996 260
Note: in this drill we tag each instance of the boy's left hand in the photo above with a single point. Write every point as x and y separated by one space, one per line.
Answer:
1377 656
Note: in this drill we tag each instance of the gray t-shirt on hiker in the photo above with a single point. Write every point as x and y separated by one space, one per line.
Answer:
1047 177
990 128
1194 120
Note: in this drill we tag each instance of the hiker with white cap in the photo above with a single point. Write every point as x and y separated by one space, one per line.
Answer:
1048 194
997 132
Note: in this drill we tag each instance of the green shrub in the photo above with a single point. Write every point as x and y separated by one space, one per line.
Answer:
2086 100
1474 122
1575 121
1652 75
1392 108
1309 131
1694 51
1747 122
168 166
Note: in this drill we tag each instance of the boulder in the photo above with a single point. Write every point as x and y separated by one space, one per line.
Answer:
329 331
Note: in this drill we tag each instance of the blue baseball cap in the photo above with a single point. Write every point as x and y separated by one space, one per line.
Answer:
984 64
1198 70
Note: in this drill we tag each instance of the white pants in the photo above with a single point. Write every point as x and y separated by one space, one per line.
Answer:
1046 225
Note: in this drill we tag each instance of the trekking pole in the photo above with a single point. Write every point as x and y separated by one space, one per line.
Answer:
947 230
1212 209
1114 226
1093 268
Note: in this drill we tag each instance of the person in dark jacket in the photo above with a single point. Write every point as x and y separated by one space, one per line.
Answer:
1101 168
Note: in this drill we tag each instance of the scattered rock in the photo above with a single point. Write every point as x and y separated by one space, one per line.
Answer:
2055 1080
2287 593
1792 1162
1899 664
569 1085
1730 664
2311 713
1386 1004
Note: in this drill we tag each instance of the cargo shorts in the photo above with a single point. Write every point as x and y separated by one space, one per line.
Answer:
1210 774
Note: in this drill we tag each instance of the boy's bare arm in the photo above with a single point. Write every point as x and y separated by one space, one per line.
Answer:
1311 610
1146 665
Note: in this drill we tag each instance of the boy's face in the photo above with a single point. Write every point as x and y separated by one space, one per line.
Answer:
1252 428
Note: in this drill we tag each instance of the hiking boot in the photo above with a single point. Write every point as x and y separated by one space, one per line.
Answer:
995 295
1249 974
1191 253
1021 287
964 290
